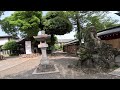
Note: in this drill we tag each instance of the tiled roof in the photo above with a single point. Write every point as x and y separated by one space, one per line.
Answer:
71 42
64 40
109 31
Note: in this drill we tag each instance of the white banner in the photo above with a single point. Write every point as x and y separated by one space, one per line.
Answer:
28 47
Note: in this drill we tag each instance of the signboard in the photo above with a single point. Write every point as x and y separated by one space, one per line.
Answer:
28 47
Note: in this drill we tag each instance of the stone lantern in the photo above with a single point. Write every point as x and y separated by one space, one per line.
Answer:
45 66
43 45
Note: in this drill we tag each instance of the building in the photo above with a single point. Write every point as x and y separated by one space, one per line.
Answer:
63 41
33 47
71 47
4 39
109 36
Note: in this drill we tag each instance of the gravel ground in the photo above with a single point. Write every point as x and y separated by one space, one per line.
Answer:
25 70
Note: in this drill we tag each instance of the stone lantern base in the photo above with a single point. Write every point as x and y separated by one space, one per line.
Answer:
45 66
46 69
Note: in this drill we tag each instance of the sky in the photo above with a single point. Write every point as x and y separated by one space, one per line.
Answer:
66 36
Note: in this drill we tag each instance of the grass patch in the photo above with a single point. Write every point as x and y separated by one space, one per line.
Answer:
116 66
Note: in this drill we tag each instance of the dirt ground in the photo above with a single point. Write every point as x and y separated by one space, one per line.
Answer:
25 70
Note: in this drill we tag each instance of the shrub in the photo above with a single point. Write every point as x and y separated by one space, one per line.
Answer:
0 47
11 45
57 47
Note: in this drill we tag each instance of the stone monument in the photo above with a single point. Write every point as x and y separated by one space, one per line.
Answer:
28 47
45 66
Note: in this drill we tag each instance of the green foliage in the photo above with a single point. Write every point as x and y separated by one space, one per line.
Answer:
1 12
26 22
10 45
84 20
101 22
51 44
57 47
95 55
14 54
9 28
0 47
54 41
56 22
85 54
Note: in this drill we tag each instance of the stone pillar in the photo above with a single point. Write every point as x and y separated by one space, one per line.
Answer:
44 60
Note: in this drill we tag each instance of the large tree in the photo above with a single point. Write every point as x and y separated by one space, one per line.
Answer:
84 19
56 23
25 23
101 22
1 12
92 46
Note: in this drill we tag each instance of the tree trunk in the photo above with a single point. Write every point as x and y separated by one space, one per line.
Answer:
52 42
78 27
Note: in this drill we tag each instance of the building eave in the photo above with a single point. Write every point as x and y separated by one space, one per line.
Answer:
5 36
109 31
71 42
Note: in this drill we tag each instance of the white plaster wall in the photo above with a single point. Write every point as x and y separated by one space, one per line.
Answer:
3 41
